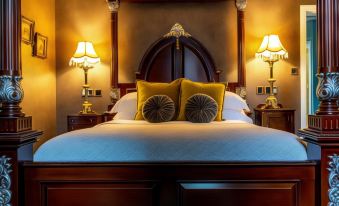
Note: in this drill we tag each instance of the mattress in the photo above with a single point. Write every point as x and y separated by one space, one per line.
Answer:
140 141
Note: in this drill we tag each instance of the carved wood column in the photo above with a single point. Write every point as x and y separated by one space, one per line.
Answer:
16 134
11 93
323 128
241 5
328 44
113 6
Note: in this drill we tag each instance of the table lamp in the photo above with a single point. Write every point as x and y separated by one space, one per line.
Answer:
271 51
85 57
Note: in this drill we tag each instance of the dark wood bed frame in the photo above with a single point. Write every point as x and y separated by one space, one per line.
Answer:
24 182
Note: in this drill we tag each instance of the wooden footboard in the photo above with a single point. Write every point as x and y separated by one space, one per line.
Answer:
231 184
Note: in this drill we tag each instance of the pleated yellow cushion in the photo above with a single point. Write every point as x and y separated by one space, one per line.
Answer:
189 88
146 90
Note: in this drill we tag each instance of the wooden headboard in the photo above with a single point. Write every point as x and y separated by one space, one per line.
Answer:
177 54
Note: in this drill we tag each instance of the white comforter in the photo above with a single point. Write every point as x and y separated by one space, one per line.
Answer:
140 141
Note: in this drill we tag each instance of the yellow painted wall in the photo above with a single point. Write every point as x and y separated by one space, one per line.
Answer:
141 24
39 81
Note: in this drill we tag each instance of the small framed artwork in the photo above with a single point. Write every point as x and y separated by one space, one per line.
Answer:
260 90
267 90
40 46
275 90
27 30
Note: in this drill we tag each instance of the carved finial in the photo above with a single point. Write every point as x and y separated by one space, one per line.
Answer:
177 31
241 4
113 5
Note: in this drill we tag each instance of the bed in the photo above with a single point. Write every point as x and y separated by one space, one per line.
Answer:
127 162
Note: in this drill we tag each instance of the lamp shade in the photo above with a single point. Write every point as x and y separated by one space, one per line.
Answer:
271 49
85 55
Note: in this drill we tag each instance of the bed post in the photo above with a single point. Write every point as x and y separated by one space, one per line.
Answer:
113 6
323 128
16 134
241 88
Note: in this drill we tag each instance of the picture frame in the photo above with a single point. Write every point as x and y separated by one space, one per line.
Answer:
260 90
27 30
275 90
40 46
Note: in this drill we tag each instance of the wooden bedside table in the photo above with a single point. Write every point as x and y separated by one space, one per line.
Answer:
282 119
82 121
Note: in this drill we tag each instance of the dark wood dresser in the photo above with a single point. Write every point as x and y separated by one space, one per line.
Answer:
82 121
282 119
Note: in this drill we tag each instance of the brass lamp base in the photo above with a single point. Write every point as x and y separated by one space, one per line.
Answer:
87 108
271 103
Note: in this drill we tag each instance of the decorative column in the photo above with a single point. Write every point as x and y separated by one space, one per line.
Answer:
11 93
241 89
328 57
16 134
323 128
113 6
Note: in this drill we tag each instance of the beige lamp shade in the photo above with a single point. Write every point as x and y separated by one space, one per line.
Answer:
85 55
271 49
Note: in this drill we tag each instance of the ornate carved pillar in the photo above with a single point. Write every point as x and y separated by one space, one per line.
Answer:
11 93
16 134
328 44
323 128
241 5
113 6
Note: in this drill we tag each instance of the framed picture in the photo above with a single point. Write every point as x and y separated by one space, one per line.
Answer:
260 90
40 46
275 90
27 30
267 90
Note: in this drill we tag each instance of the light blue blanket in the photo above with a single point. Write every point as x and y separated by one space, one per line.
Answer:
139 141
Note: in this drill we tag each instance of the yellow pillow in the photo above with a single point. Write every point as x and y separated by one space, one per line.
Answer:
147 89
189 88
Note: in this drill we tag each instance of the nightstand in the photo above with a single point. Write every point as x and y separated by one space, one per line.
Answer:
82 121
282 119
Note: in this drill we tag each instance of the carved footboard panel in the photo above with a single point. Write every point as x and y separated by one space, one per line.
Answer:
250 184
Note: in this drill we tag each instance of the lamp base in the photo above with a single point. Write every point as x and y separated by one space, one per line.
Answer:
271 103
87 108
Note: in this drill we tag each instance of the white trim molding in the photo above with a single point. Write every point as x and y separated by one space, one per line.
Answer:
304 9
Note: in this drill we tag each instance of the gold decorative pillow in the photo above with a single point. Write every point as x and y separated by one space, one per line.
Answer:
148 89
189 88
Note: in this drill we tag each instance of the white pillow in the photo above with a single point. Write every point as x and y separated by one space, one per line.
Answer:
234 102
229 114
126 107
